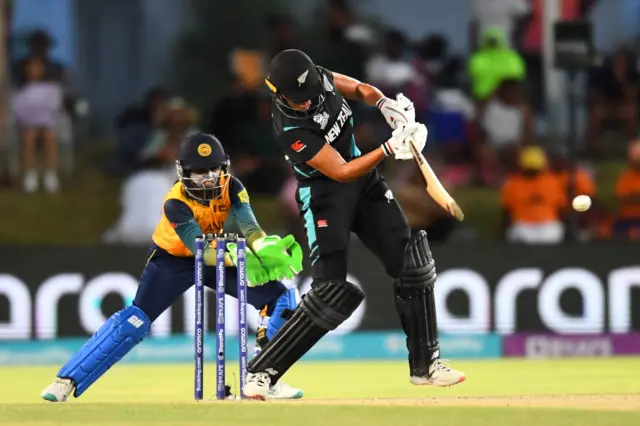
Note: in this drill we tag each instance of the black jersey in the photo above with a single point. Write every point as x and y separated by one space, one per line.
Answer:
301 138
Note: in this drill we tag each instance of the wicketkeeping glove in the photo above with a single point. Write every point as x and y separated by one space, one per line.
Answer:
281 258
255 272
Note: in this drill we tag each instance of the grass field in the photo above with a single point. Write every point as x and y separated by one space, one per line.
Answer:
496 393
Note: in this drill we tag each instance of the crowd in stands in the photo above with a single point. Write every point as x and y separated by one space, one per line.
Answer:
481 112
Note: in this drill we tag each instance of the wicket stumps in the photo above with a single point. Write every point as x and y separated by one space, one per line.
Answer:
220 286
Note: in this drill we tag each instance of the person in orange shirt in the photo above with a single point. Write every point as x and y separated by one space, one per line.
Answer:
590 220
533 201
627 222
198 203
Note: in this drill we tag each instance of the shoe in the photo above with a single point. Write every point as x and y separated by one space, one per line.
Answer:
257 386
30 182
51 182
59 390
283 391
439 375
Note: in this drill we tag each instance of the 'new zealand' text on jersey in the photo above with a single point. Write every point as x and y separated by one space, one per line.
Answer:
302 138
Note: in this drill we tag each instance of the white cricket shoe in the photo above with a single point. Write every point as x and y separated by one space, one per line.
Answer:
439 375
256 386
51 182
59 390
30 183
283 391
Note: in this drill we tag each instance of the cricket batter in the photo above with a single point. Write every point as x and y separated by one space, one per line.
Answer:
197 204
339 192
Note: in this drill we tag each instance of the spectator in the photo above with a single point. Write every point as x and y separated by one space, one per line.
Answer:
627 221
510 16
589 221
614 98
439 65
584 184
141 203
506 125
39 44
248 68
343 25
238 103
493 63
36 107
533 201
134 126
451 118
257 160
396 69
176 121
143 192
145 113
347 42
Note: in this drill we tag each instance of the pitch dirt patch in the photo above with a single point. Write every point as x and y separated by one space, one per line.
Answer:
593 402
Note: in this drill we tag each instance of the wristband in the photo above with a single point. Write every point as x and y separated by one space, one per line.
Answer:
386 148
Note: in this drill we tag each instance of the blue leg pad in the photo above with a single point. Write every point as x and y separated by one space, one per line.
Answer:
115 339
288 301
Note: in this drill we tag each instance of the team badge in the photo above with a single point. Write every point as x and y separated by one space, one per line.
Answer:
322 119
243 196
204 149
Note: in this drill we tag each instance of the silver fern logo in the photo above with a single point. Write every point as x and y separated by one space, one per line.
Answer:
302 78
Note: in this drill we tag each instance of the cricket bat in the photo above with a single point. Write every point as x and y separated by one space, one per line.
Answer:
434 187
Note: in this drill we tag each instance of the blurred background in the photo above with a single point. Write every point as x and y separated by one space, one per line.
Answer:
97 95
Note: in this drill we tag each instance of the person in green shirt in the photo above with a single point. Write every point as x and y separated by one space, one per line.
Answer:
493 63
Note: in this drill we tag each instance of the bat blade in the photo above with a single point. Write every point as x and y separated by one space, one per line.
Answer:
434 187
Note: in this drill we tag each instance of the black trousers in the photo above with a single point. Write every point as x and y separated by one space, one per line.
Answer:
332 210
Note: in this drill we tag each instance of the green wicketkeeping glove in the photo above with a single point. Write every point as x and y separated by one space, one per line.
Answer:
256 273
281 258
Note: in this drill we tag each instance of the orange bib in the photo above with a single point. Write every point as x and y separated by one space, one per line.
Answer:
210 217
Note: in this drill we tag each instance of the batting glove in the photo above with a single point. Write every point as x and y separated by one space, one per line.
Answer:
397 112
396 145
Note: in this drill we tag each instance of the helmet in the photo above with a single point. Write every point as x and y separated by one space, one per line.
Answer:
292 76
202 167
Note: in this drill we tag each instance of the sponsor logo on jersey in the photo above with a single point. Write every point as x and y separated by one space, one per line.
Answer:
298 146
322 223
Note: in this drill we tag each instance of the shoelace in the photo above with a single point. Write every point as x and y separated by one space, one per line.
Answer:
260 379
442 364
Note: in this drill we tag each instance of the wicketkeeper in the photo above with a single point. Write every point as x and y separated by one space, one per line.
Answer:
197 204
